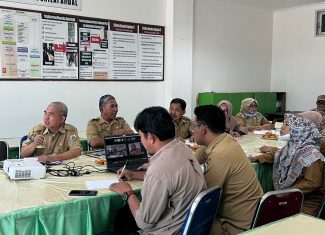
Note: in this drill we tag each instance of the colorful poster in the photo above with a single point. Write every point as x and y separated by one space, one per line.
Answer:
19 44
68 4
93 44
151 52
123 46
60 47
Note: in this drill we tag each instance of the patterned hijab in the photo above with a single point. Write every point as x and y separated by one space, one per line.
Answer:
302 150
245 103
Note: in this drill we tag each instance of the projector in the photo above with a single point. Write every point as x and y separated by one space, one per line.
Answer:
24 169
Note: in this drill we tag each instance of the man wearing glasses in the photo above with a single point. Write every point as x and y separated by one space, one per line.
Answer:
107 124
227 166
320 105
54 140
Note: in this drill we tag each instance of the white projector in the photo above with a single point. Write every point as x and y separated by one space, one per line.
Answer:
23 169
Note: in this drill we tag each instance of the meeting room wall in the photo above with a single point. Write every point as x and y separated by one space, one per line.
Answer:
232 47
298 65
23 102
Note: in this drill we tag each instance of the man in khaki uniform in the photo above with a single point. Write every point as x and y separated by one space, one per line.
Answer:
182 124
228 167
106 124
168 189
54 140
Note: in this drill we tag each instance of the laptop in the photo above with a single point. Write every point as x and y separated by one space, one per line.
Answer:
124 149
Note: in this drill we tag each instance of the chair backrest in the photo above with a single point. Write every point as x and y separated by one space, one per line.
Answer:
4 150
276 205
21 143
321 210
202 213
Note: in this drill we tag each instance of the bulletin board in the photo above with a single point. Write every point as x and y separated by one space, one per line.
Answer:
49 46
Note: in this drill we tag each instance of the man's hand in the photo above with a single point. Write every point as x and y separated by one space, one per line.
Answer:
125 175
38 140
120 187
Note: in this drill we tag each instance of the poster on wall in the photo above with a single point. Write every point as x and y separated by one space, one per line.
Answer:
68 4
123 45
59 47
20 44
93 46
151 52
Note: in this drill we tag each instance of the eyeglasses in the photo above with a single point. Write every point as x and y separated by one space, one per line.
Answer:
195 124
253 106
321 102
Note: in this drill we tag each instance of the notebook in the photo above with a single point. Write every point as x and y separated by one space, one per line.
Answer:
122 149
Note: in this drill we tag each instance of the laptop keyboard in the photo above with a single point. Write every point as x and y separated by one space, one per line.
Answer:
132 165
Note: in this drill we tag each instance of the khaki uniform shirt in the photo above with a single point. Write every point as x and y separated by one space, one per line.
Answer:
182 129
229 167
169 189
64 140
101 128
258 120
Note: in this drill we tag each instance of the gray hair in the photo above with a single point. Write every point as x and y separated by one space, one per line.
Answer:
63 109
104 99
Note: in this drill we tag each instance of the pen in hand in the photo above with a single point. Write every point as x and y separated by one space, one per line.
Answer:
119 177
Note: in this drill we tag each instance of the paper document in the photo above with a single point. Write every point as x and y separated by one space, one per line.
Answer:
98 184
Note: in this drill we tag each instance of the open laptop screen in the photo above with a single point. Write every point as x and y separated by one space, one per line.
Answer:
124 146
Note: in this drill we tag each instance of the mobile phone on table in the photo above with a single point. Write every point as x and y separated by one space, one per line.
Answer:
83 193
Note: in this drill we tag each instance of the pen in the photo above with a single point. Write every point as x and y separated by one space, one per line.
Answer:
123 169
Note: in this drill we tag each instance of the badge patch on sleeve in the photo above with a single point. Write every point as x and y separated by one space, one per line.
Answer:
73 137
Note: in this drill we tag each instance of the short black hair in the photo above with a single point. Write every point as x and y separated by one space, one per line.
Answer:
179 101
212 116
155 120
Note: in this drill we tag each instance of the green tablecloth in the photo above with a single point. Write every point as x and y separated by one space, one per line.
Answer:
264 174
84 216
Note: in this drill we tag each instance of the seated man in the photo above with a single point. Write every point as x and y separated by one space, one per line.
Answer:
106 124
168 189
228 167
182 124
54 140
320 105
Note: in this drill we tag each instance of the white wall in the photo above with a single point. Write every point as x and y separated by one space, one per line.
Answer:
298 65
22 103
232 47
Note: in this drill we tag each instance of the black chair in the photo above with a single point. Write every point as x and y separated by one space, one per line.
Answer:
321 210
202 213
276 205
4 150
25 137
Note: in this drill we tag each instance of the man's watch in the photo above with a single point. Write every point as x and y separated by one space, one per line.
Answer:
126 195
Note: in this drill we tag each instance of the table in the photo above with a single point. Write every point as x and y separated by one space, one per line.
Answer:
251 144
299 224
44 207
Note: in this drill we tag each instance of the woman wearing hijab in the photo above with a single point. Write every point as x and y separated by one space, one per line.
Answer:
233 127
249 116
299 164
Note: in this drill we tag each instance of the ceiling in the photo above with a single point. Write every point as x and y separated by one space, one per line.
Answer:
275 4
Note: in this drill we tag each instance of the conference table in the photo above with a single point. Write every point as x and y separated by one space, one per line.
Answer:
43 206
299 224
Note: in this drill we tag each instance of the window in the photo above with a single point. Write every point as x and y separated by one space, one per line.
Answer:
320 23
